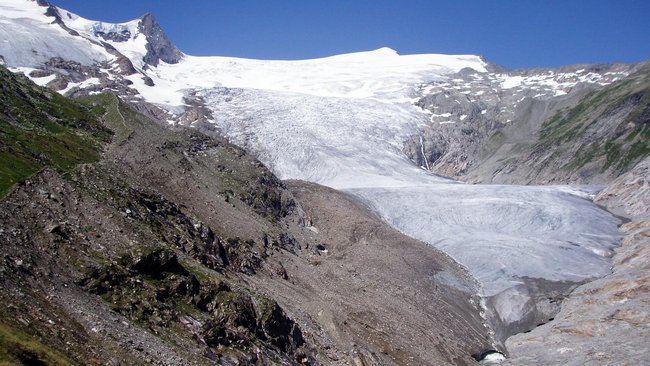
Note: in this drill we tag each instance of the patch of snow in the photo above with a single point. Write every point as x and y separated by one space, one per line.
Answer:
510 82
42 81
165 92
493 358
81 85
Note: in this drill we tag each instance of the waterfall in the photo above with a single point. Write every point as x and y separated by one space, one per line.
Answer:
426 163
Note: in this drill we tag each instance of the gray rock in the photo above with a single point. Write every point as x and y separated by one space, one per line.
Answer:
159 47
498 127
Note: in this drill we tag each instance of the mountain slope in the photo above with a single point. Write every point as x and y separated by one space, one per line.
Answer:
566 125
605 321
68 244
37 131
600 137
174 247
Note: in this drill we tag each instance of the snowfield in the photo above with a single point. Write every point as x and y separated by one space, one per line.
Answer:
341 121
28 39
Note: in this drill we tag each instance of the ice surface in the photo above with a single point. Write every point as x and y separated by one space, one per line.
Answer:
502 233
338 142
493 358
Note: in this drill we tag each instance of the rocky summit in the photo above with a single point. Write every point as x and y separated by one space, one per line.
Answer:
368 208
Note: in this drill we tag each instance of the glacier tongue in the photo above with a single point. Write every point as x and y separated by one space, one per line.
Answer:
500 233
526 245
503 234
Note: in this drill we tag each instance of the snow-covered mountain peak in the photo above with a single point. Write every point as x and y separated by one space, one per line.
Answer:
386 51
98 29
142 40
387 57
382 52
124 37
35 32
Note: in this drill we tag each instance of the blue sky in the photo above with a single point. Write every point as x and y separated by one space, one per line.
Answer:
514 34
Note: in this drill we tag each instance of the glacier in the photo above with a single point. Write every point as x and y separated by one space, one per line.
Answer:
342 121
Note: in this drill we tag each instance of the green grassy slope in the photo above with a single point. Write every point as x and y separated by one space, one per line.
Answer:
613 123
39 127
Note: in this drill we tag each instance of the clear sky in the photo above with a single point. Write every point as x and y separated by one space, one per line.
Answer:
513 34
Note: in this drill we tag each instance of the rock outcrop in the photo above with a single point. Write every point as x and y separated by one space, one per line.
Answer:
159 47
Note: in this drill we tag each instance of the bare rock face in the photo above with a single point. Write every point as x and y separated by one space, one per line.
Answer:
629 194
121 36
159 47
